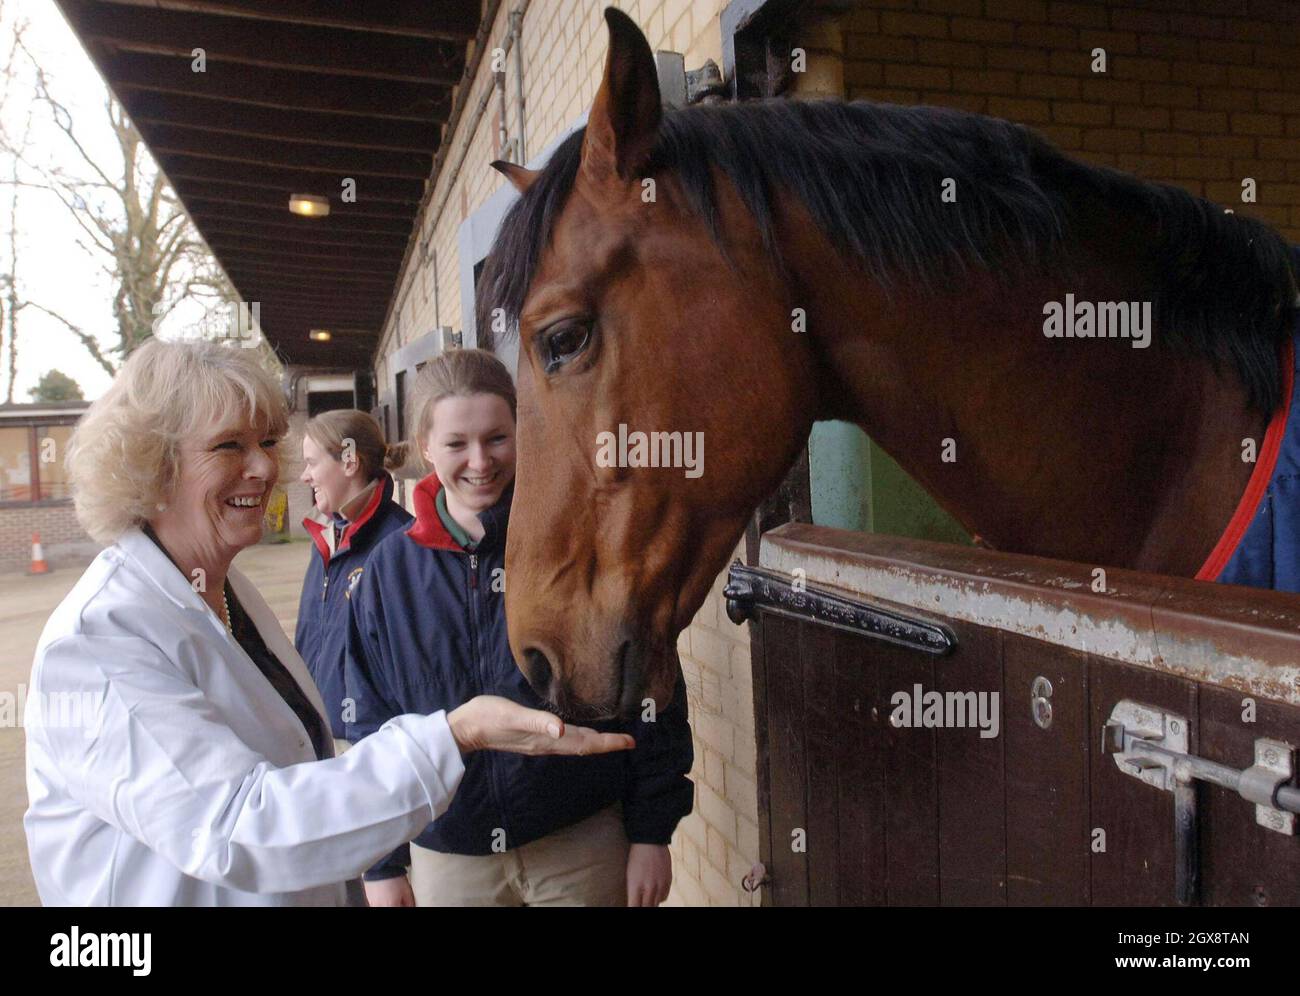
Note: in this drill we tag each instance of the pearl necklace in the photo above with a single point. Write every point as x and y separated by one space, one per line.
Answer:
225 604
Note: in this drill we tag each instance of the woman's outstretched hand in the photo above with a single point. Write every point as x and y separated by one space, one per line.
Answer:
489 722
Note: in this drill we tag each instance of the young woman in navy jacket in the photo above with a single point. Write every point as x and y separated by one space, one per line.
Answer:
427 631
345 464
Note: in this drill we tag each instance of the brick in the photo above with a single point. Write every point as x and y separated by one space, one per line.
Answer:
1226 194
747 841
1259 170
1213 99
966 81
1047 36
1167 46
1238 29
1201 168
1213 122
1135 67
1128 19
717 813
949 53
1112 140
1117 91
1257 124
1016 109
921 77
693 828
1114 42
714 731
1055 87
881 48
880 95
746 752
1200 27
1061 136
1082 15
1275 103
1142 117
1068 112
1255 78
714 771
919 25
1028 60
1171 143
717 849
1279 148
1228 145
741 789
1273 194
1167 95
1071 62
716 886
1018 10
1143 165
1274 55
1235 53
860 74
711 650
970 8
973 103
970 29
1198 74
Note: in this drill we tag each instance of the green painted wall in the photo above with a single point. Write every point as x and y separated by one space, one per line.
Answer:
855 485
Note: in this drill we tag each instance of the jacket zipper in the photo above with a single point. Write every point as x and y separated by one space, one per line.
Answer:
325 587
476 622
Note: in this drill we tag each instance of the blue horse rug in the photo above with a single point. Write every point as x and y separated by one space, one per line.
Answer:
1261 545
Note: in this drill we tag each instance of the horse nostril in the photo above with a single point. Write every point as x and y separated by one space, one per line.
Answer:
539 673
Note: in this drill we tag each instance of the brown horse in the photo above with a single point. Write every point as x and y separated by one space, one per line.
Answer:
734 273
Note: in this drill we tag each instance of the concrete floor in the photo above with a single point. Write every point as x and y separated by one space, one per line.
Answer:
25 604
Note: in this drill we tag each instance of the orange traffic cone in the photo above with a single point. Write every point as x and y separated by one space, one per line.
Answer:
39 566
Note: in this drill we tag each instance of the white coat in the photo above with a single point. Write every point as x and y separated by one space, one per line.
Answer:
164 770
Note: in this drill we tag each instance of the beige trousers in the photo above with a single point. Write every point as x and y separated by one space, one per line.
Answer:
580 865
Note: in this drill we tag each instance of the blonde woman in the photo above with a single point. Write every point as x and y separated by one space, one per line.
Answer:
428 631
346 464
197 767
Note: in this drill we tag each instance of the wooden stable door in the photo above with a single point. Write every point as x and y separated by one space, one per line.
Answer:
856 810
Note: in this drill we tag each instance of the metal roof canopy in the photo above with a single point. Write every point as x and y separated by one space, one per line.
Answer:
296 96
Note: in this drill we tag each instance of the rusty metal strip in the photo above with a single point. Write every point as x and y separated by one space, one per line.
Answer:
1239 638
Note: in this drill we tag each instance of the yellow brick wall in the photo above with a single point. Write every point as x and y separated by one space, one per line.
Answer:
1197 93
564 52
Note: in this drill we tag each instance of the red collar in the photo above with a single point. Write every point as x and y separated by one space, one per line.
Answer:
427 529
383 491
1259 477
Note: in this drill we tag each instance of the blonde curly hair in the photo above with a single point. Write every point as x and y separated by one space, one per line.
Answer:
123 459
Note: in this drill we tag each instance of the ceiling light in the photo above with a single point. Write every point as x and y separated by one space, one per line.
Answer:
309 205
319 335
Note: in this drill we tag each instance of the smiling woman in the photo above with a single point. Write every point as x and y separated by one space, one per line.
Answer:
187 776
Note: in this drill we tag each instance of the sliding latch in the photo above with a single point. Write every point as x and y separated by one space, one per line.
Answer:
1151 744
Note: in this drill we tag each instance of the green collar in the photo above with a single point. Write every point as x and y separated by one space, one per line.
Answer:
453 527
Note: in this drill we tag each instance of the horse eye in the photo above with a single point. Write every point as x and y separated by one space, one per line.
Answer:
562 345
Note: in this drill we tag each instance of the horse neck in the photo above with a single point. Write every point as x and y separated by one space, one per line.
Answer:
1081 449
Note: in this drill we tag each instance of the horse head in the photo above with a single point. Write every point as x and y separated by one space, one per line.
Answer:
608 271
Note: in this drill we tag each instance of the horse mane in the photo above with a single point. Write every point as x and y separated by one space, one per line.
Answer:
870 175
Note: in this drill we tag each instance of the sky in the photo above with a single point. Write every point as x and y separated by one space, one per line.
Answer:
52 270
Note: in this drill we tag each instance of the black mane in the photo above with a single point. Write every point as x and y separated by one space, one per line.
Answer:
868 174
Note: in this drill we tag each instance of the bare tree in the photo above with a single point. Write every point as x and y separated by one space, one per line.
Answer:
132 224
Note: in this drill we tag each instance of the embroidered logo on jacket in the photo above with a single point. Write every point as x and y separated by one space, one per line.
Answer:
353 578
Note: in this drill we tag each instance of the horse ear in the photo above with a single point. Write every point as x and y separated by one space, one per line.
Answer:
624 118
520 177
